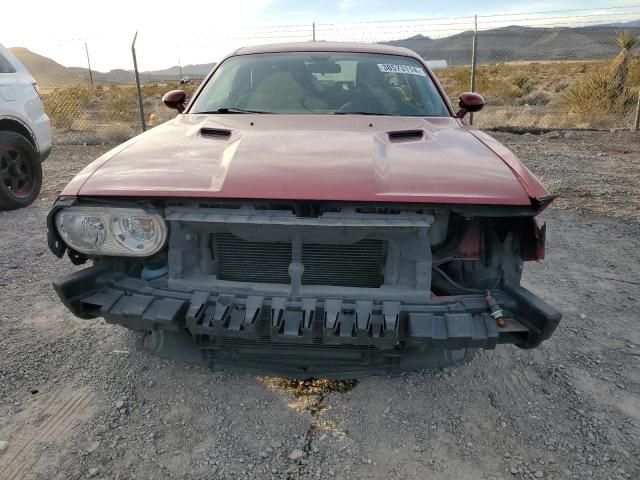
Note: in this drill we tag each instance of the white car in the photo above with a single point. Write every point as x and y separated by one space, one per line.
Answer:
25 134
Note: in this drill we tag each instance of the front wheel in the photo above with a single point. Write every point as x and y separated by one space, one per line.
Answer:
20 171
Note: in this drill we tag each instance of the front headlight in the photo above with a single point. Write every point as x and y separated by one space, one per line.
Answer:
112 231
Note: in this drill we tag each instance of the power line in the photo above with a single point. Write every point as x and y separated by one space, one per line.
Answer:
456 31
299 28
470 24
482 16
569 16
388 31
303 30
559 11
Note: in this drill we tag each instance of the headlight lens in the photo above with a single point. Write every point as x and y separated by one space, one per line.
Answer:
135 232
112 231
83 231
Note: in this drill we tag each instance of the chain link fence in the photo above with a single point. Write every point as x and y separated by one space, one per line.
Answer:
548 74
532 78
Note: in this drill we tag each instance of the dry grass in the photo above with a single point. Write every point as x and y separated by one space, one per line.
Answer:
597 94
106 114
607 91
66 106
117 133
536 94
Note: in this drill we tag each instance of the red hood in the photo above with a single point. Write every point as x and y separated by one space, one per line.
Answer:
341 158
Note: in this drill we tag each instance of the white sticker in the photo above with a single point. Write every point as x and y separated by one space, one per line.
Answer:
410 69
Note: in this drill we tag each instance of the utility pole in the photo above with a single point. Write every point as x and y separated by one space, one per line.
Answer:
474 51
180 67
86 49
135 69
313 27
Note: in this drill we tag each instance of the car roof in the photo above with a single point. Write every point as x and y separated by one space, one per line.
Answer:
352 47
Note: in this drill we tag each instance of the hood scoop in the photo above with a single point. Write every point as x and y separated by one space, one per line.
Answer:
406 136
220 133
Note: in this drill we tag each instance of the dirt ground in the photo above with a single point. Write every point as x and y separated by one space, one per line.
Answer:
77 400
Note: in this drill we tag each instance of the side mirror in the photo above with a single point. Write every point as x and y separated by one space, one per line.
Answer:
175 99
469 102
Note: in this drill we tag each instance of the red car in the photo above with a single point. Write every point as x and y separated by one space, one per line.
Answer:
315 210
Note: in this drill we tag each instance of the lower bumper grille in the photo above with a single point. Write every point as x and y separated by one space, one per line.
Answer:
360 264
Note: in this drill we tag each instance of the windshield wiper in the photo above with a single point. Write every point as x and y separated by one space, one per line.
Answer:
364 113
233 110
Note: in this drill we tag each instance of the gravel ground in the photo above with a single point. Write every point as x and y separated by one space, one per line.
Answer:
77 400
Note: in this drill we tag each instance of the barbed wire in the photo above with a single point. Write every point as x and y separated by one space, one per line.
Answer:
301 30
507 74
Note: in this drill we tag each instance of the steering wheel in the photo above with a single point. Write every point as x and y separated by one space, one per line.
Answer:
363 102
407 108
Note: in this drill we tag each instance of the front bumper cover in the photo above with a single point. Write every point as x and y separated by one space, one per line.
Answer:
223 326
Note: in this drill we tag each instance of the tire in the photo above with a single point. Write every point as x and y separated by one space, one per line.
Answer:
178 346
20 171
456 358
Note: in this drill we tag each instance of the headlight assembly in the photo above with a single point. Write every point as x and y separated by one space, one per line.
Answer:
112 231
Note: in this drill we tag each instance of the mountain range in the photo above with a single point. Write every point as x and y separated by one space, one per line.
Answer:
517 43
49 73
507 44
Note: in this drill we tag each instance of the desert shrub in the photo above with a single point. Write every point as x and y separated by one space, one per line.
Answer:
537 97
561 85
458 79
604 92
116 133
62 112
596 94
158 114
493 86
523 82
633 77
455 80
119 104
494 68
65 106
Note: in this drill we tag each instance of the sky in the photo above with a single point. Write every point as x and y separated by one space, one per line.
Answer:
204 30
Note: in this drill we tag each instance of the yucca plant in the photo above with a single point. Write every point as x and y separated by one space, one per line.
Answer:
605 92
591 94
523 82
620 64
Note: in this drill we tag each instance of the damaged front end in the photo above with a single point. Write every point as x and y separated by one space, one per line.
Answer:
313 289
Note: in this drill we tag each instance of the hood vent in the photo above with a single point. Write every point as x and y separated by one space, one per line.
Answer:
215 132
406 136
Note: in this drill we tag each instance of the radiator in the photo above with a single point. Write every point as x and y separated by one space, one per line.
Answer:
360 264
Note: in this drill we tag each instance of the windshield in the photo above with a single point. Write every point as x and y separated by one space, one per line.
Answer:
321 83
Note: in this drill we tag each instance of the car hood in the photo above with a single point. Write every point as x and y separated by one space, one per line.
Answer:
312 157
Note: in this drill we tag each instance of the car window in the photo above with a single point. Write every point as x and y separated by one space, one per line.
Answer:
322 83
223 84
344 77
5 66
